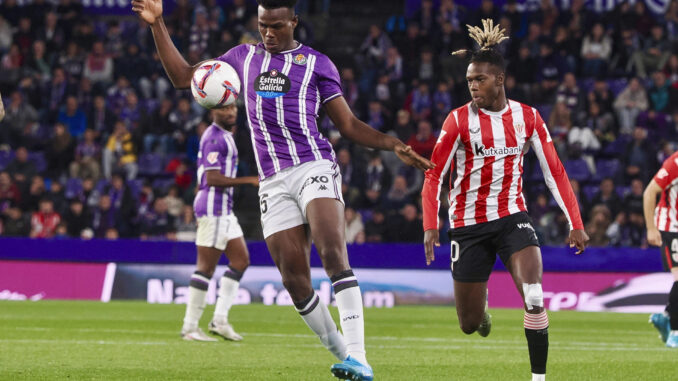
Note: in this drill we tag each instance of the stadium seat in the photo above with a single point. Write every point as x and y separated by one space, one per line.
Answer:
162 185
38 159
135 187
577 169
617 147
590 191
606 168
6 157
617 85
72 188
622 190
151 164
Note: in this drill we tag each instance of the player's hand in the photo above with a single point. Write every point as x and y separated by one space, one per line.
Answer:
578 238
431 239
407 155
148 10
654 238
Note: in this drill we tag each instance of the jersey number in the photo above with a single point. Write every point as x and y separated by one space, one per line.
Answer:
264 205
454 253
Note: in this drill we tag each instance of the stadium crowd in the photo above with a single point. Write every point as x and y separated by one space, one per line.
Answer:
97 143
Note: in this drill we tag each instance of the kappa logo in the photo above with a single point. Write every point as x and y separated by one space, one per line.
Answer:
314 179
322 188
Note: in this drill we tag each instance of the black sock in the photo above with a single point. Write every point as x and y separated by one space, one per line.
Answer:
538 346
672 307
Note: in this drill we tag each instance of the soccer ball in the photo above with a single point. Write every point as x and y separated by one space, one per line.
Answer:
215 84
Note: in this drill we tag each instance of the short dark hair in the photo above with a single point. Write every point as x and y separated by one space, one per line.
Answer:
273 4
491 56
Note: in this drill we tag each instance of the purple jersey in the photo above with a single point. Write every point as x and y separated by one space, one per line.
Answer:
282 94
217 152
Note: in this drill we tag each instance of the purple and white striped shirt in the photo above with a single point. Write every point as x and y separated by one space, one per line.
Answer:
282 94
217 152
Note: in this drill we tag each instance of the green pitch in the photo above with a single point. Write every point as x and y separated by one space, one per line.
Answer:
50 340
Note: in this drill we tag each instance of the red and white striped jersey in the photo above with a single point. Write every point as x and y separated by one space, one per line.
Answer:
667 178
488 149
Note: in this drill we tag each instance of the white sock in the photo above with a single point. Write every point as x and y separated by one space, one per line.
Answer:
318 318
228 289
197 291
538 377
350 304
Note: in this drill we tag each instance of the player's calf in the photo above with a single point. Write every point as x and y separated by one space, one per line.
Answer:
536 325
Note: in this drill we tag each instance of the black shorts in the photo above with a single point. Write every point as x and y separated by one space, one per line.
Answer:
475 247
669 250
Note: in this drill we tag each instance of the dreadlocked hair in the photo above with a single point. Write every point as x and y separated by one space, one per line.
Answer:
487 38
273 4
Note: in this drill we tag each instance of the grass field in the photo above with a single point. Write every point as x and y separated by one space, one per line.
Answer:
50 340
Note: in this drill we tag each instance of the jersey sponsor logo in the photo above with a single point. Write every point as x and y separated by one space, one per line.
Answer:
525 225
212 157
299 59
351 317
272 84
480 150
314 179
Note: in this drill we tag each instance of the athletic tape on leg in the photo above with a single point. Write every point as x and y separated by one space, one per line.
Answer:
534 296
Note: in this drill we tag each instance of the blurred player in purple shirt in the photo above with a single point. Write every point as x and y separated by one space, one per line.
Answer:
218 228
283 84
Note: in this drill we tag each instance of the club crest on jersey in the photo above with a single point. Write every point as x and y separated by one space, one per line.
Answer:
212 157
272 84
300 59
519 127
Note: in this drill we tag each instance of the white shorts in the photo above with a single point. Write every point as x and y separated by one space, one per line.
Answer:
284 196
217 231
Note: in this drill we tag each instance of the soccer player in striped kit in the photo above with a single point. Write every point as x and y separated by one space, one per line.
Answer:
486 139
662 230
284 85
218 228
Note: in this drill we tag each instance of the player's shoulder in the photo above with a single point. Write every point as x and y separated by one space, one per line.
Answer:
673 159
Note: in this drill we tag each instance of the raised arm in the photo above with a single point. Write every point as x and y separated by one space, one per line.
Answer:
178 70
359 132
558 182
442 156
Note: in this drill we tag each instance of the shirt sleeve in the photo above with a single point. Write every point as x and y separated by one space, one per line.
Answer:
235 57
329 82
554 172
442 156
214 154
668 172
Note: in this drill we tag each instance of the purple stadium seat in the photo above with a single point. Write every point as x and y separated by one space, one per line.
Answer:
162 185
151 164
622 191
545 111
72 188
6 157
101 184
38 159
577 169
617 85
135 187
606 168
590 191
617 147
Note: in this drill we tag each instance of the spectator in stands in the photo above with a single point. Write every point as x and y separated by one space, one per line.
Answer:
377 179
101 118
350 177
410 45
84 36
175 203
595 52
99 66
659 93
376 117
428 69
182 176
582 199
602 95
350 88
619 231
405 226
184 120
398 195
186 225
72 60
120 153
15 223
87 158
24 36
77 218
20 120
116 95
39 62
134 67
104 217
122 202
73 117
56 92
639 159
11 64
570 94
423 141
549 72
354 224
608 197
375 228
133 114
421 102
655 52
560 124
21 169
633 201
59 153
89 195
113 42
626 46
57 195
9 192
375 47
36 191
146 198
111 234
629 103
442 103
158 223
44 222
514 91
598 225
5 34
601 123
638 232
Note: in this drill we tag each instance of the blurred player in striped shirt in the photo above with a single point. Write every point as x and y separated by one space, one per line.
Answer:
486 140
662 230
218 228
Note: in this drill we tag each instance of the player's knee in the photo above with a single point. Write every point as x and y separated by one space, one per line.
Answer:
534 296
469 323
299 287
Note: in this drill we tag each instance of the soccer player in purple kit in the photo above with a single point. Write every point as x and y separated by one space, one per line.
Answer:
283 84
218 228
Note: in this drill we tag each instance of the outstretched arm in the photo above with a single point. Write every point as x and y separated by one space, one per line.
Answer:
357 131
558 182
216 179
178 70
